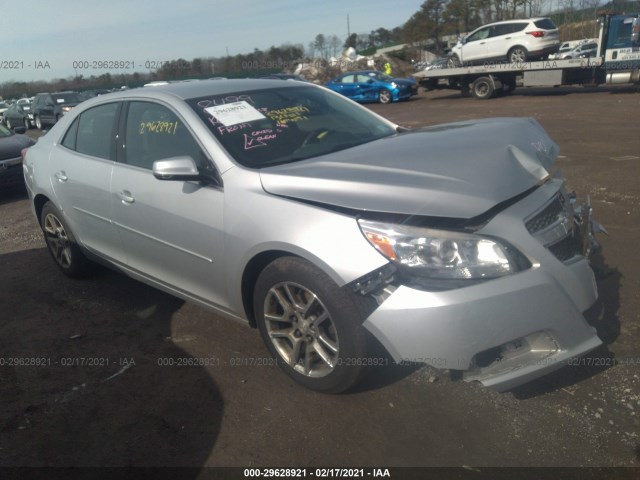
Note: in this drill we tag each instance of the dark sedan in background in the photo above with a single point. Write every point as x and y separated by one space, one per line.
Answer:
11 145
373 86
18 115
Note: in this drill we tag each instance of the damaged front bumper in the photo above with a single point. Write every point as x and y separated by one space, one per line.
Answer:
506 331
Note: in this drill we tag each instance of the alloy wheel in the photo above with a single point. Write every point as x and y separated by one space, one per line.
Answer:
301 329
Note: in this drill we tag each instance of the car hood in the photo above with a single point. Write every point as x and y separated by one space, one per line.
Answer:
10 147
456 170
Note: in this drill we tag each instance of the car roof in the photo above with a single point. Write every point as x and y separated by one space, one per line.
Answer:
516 20
201 88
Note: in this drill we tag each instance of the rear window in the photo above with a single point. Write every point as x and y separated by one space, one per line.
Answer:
545 23
70 97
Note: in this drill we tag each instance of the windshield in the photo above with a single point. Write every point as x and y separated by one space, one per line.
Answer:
266 127
70 97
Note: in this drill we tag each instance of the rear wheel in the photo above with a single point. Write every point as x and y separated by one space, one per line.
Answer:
61 244
385 96
482 88
312 327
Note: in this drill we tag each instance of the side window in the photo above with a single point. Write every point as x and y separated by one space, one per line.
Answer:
348 79
95 131
479 35
69 139
498 30
153 133
518 27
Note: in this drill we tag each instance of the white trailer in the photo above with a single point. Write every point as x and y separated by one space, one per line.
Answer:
617 61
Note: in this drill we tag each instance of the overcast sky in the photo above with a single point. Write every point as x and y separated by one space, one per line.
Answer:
57 33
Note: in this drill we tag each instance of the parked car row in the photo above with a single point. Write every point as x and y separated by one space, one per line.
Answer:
43 110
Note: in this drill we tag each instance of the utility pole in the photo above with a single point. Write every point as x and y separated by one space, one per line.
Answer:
348 27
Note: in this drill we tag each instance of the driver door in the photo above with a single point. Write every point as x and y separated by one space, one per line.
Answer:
172 230
475 47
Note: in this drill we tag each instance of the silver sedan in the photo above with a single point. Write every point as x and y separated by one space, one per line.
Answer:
301 213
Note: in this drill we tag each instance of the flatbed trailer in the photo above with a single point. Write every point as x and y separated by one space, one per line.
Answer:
617 61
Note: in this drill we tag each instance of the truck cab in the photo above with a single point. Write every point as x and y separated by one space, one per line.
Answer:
620 47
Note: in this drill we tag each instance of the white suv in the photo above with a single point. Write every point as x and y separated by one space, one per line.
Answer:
512 40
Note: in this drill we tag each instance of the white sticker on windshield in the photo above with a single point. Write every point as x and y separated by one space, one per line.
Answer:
234 113
60 100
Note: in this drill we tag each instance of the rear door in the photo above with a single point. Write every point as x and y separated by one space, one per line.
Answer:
81 167
349 86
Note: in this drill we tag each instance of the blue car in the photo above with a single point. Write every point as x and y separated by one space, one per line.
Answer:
373 86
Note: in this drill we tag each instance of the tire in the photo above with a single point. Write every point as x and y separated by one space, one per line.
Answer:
517 55
482 88
385 96
7 122
312 327
39 124
27 124
61 243
508 86
453 62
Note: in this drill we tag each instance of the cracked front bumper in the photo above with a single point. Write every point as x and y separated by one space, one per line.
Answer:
507 331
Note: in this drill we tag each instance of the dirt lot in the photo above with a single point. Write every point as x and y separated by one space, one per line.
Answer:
101 392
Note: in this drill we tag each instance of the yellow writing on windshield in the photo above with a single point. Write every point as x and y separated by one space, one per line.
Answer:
283 116
158 126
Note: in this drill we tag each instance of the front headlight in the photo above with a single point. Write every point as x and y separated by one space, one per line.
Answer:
440 254
394 85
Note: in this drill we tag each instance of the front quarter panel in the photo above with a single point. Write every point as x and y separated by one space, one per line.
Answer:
258 222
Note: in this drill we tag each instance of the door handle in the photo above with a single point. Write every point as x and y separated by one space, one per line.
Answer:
61 176
507 38
126 197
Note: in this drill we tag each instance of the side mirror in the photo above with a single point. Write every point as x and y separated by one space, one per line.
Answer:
371 80
184 168
20 130
176 168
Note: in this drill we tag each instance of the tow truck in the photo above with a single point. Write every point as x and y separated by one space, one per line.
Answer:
617 61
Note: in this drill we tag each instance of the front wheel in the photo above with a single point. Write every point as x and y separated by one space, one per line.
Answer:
38 122
312 327
61 243
8 124
385 96
453 62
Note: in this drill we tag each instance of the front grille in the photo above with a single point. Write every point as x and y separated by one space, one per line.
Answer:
568 247
555 228
547 217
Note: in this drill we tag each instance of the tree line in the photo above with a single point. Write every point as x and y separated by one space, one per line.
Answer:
423 30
